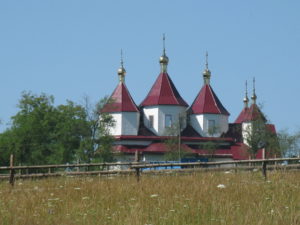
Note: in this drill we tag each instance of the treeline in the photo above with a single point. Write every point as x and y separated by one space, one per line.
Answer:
42 133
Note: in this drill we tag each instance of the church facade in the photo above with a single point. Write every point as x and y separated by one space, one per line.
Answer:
165 115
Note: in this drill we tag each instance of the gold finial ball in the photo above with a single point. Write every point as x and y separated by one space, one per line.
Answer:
207 73
121 71
246 99
164 59
254 97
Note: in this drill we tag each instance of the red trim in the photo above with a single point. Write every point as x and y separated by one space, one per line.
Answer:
152 138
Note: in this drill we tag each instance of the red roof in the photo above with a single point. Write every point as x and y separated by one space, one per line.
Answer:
244 115
163 92
207 102
120 101
250 114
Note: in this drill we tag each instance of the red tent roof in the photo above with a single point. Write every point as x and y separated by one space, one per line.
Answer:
120 101
208 102
163 92
250 114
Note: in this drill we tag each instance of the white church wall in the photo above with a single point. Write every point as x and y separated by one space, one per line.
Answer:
159 117
151 111
246 130
130 123
174 112
117 129
200 122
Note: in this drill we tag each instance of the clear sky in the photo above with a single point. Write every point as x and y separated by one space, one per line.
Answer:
71 48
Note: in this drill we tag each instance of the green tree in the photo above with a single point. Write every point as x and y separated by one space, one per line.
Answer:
258 135
42 133
173 142
98 146
289 143
211 148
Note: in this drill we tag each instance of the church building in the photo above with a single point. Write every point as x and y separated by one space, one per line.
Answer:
145 128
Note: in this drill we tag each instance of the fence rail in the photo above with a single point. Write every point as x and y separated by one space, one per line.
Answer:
139 167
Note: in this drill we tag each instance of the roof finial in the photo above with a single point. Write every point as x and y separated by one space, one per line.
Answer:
246 99
122 62
121 70
164 44
206 72
163 60
254 97
206 60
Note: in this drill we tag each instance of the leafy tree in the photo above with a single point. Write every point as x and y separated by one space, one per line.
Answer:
42 133
173 143
258 135
211 148
289 143
98 147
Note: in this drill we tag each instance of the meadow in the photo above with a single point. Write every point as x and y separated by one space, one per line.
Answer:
200 198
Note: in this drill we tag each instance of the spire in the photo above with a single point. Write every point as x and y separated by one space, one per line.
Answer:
246 99
253 97
206 72
163 60
121 70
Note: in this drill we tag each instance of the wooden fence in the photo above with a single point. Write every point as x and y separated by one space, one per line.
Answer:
138 168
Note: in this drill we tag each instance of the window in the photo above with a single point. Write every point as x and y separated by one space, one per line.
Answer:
211 127
151 121
168 120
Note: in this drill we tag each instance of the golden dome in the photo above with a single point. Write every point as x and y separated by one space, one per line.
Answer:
164 59
206 73
122 71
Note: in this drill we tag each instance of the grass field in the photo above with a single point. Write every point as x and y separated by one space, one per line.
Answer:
202 198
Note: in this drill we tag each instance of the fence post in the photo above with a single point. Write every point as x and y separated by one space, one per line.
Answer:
12 171
264 169
137 159
137 174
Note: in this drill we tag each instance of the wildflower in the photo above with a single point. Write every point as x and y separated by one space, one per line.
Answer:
221 186
85 198
20 183
53 199
172 210
36 188
77 188
154 196
227 172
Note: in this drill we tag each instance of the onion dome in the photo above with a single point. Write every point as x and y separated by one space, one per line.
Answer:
246 99
164 60
253 97
121 70
206 72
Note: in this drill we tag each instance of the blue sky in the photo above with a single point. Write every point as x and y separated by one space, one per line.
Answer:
71 48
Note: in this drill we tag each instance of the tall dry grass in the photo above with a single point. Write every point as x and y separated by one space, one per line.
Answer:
202 198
